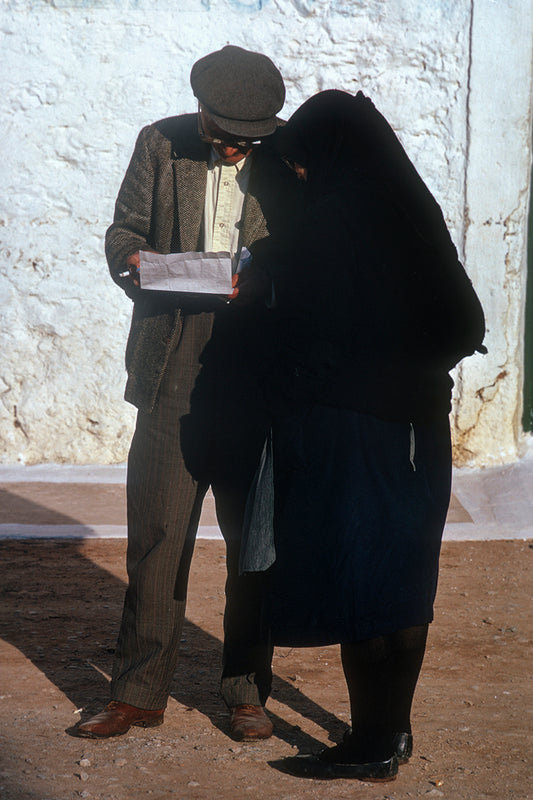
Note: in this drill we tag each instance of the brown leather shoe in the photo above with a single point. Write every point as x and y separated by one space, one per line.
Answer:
250 722
117 718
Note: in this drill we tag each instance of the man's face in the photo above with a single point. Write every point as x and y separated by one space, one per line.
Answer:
230 148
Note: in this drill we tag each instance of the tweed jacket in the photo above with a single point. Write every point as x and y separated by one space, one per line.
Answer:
160 207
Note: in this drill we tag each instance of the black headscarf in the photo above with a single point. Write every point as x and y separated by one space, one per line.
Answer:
334 133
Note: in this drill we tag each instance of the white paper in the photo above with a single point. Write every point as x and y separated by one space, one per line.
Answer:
201 273
245 259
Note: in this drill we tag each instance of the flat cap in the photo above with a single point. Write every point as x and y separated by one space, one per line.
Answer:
241 91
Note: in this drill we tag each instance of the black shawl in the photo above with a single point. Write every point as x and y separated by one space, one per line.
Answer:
373 306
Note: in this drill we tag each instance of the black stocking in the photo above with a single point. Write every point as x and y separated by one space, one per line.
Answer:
381 675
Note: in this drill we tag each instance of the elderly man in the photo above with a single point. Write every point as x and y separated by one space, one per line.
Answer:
197 182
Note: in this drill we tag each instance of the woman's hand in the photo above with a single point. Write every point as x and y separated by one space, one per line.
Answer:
250 285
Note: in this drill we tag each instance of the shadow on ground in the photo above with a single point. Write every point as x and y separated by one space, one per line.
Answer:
61 609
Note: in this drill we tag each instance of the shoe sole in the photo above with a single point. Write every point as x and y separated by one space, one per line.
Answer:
314 767
250 737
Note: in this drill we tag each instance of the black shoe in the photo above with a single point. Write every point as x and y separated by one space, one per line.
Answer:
403 745
335 763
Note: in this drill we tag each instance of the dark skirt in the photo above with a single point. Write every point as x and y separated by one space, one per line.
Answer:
360 506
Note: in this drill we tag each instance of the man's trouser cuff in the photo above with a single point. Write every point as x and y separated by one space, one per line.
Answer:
240 690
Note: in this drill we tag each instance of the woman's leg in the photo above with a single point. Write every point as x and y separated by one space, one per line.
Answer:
381 675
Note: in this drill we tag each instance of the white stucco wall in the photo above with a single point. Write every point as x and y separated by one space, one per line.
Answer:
488 418
79 78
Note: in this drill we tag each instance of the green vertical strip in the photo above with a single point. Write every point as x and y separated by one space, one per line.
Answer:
527 419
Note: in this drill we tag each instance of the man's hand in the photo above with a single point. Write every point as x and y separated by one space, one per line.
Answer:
133 264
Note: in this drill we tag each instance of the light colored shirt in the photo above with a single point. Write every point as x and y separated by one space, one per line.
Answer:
226 189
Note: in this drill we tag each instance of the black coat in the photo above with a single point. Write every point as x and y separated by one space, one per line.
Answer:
373 307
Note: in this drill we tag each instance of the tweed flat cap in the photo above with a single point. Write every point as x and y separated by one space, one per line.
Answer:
241 91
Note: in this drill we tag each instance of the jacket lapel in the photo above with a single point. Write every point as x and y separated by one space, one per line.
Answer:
252 220
189 185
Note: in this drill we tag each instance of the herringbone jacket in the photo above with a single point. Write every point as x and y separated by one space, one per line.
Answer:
160 207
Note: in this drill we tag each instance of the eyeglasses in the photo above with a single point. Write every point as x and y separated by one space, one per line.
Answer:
228 141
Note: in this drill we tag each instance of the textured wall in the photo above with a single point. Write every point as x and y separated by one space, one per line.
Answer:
79 79
488 418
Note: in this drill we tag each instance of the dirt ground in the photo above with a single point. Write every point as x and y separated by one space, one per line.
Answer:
61 603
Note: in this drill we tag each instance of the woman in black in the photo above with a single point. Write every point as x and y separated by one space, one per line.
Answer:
372 310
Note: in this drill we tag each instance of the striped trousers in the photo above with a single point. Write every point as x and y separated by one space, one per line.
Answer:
206 429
